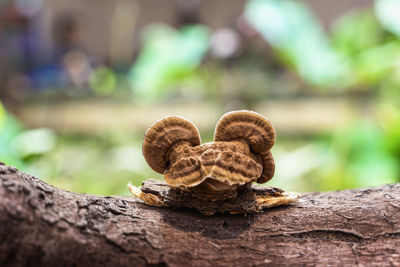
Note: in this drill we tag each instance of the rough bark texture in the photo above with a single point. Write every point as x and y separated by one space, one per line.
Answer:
43 225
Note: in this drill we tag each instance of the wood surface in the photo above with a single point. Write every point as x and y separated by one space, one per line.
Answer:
41 225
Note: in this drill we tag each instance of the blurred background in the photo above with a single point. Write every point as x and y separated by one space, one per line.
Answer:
81 81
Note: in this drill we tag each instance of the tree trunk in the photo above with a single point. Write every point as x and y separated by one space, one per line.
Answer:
41 225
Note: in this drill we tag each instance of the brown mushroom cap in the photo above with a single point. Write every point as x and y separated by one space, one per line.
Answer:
249 126
228 167
268 168
235 168
186 172
163 135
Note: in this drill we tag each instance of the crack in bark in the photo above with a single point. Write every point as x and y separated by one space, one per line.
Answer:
325 234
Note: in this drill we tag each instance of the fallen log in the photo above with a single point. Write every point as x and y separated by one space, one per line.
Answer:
41 225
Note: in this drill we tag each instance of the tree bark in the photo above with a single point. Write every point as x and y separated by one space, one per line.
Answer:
41 225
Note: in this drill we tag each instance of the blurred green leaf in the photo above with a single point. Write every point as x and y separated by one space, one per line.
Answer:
103 81
9 129
33 142
349 32
360 158
2 115
359 36
388 13
290 27
374 64
167 56
371 163
389 117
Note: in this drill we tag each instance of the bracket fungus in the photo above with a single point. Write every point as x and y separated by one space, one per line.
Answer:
213 175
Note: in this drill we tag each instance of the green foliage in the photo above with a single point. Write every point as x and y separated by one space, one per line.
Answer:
9 129
349 32
358 53
103 81
20 147
33 142
167 56
389 117
374 64
359 158
292 30
362 40
360 155
2 116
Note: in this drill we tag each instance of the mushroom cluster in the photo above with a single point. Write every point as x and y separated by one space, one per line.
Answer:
239 155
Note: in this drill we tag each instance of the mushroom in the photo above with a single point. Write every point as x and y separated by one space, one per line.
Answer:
239 155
